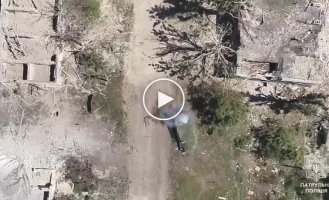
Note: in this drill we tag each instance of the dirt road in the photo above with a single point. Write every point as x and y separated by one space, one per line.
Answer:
150 145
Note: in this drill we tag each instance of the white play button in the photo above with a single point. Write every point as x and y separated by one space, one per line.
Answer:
163 99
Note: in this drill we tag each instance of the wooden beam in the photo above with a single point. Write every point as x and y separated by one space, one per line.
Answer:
22 36
27 62
305 83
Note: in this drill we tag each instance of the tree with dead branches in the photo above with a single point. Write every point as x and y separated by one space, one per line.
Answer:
201 49
229 6
76 17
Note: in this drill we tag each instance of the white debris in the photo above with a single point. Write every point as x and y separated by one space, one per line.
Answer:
257 168
14 182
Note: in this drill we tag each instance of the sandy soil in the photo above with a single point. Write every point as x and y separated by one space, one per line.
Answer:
150 146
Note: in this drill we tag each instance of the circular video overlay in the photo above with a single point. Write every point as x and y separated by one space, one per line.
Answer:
163 99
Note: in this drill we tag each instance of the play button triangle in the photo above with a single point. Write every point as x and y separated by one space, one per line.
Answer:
163 99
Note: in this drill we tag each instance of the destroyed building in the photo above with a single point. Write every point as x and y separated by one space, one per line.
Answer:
43 183
29 54
279 42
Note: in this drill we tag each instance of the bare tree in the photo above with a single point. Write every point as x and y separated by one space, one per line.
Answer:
75 17
200 49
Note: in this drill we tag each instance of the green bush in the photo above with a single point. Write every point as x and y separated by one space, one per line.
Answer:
242 141
93 66
217 105
277 140
292 180
84 9
308 109
308 104
92 8
231 108
80 173
311 103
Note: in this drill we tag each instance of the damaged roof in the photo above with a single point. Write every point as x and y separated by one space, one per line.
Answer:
285 33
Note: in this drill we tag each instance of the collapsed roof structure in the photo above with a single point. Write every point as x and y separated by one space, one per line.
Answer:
281 44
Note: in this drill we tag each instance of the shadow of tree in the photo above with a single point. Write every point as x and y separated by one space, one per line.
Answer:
307 104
